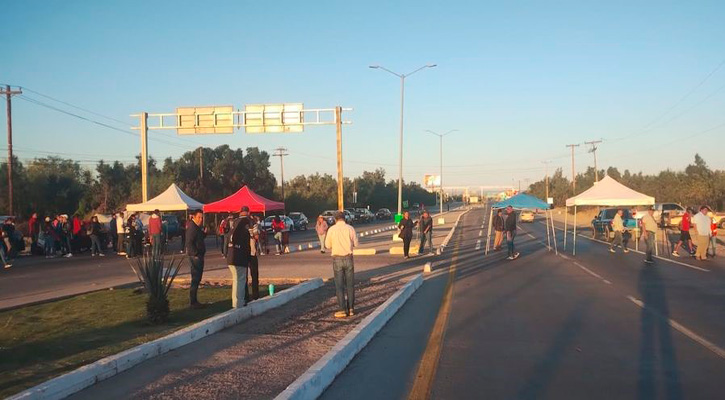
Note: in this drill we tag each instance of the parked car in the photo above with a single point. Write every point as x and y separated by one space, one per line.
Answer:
602 223
171 225
367 215
526 216
300 221
289 225
356 213
329 217
668 211
384 213
349 217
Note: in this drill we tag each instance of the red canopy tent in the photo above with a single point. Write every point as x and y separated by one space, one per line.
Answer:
243 197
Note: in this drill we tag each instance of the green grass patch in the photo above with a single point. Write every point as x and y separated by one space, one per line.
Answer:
43 341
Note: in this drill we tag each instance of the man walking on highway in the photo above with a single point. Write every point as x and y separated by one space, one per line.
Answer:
702 224
406 233
685 237
195 250
649 233
498 222
238 256
510 228
618 228
426 232
341 239
321 228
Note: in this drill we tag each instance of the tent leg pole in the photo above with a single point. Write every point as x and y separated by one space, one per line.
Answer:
548 237
488 235
573 245
566 223
216 227
553 232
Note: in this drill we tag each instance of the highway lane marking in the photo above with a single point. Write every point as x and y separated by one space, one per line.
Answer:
478 244
592 273
480 233
680 328
641 252
428 366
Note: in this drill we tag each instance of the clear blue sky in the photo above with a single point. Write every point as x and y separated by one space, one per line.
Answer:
519 80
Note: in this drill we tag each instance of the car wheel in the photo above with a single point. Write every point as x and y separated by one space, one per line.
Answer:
304 227
594 231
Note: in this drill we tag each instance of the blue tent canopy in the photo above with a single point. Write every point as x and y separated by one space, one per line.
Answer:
522 201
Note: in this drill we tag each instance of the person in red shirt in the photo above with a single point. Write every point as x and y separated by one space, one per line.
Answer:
686 224
155 233
278 228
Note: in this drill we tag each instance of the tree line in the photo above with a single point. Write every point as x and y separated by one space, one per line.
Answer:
52 185
697 184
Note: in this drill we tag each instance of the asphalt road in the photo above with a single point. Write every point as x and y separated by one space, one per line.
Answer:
595 326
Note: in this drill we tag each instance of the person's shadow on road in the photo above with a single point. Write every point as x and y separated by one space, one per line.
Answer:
657 351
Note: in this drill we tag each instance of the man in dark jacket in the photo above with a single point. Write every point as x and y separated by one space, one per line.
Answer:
510 228
426 232
498 222
195 249
238 256
406 232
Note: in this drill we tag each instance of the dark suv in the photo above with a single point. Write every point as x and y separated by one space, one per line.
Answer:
602 223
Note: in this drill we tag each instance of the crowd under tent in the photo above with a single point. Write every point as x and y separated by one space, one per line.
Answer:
521 202
606 193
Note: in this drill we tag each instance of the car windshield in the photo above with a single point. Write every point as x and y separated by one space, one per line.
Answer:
295 215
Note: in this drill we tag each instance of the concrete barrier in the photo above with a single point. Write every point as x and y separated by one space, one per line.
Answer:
364 252
83 377
320 375
428 267
398 250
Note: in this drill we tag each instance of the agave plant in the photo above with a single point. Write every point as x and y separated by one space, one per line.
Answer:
157 274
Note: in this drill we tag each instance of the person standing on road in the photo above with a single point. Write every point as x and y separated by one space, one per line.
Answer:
94 231
120 231
4 254
498 226
341 239
195 250
238 256
112 230
510 229
155 233
406 233
253 257
33 230
49 235
649 233
618 229
277 228
713 235
702 225
685 237
426 232
321 229
226 232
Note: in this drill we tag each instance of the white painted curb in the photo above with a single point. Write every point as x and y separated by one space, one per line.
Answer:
87 375
320 375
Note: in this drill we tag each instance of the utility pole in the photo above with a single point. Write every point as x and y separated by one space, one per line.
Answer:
546 163
340 193
573 171
281 152
593 150
8 94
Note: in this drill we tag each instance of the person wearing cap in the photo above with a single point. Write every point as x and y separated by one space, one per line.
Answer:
649 233
702 226
685 237
341 239
238 256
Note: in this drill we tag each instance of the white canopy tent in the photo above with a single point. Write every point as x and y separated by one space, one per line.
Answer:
172 199
607 192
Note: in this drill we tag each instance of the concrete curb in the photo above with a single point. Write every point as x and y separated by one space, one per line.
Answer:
320 375
87 375
375 231
364 252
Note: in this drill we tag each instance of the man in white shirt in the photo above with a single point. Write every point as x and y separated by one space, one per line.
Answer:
618 228
649 233
702 225
341 239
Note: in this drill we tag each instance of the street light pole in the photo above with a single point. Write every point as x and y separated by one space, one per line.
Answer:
402 105
441 155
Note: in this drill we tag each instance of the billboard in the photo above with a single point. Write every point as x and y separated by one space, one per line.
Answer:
274 118
431 181
205 120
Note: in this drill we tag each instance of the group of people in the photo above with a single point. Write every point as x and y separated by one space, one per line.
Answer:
702 223
240 249
505 226
425 231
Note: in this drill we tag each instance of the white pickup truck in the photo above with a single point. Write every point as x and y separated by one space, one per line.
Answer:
672 213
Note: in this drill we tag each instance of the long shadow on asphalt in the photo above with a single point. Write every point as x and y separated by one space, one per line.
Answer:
656 344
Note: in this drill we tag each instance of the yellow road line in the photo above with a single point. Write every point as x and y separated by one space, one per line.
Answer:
429 362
